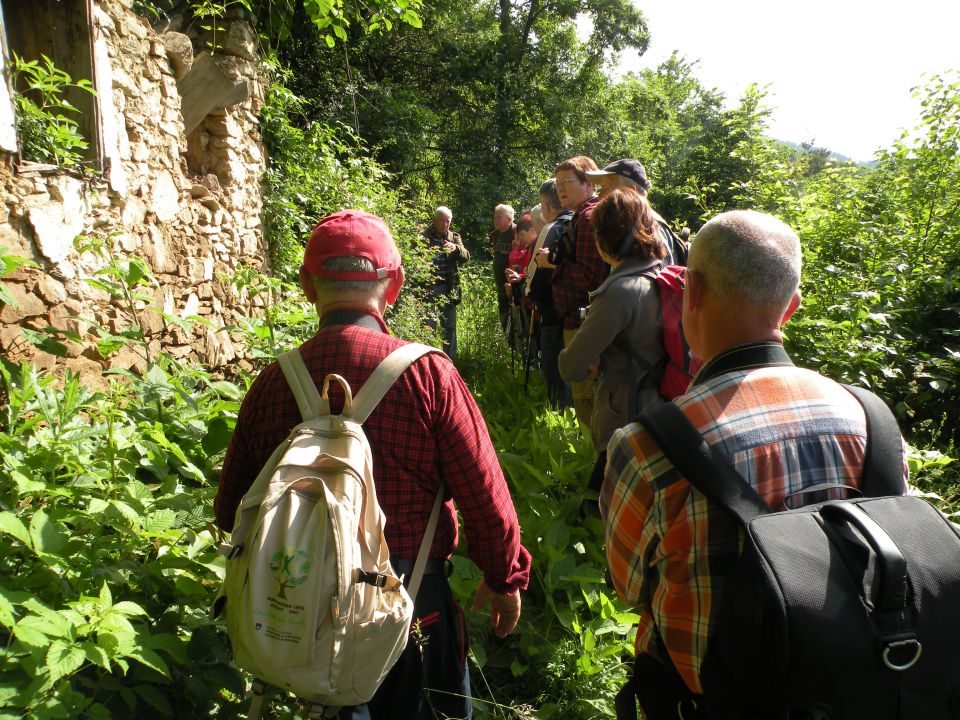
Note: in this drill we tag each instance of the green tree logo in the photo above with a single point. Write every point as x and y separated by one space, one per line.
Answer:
290 568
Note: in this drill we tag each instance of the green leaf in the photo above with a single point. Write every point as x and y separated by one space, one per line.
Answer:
128 608
174 646
6 298
44 342
151 660
217 437
12 525
63 659
26 485
30 630
47 535
96 655
159 522
7 616
154 698
128 513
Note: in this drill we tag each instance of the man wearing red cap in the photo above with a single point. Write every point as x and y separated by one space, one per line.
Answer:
426 431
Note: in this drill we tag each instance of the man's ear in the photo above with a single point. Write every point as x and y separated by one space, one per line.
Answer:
791 308
306 284
693 289
393 290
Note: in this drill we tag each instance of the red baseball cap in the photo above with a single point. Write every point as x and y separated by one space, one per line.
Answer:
352 233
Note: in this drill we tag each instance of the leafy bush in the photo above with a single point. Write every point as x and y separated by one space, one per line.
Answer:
46 121
109 564
882 271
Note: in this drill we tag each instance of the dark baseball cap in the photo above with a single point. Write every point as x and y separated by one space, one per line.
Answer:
628 168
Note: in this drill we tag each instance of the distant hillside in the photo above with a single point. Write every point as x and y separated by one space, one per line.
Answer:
798 147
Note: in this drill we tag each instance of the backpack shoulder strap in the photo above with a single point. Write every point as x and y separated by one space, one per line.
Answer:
702 466
305 391
883 457
384 376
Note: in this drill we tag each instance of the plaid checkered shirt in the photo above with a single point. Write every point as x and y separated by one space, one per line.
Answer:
783 429
426 430
576 276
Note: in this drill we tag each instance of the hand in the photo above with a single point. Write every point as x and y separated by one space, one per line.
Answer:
512 275
593 370
449 246
504 609
542 258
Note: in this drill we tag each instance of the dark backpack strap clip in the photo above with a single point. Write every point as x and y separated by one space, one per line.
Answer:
372 578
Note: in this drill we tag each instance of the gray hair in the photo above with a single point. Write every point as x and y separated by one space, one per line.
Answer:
327 288
548 192
505 209
445 211
749 256
536 215
631 183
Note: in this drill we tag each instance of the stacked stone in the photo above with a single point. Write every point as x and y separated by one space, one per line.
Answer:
187 205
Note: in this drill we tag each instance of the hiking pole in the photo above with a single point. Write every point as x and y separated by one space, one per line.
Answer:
532 341
516 334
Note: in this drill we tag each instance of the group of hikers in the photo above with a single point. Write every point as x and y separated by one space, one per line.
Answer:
589 265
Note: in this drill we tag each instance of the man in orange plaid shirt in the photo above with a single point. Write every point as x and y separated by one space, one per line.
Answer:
782 428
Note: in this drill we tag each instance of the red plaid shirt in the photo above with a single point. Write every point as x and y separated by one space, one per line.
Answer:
427 429
578 275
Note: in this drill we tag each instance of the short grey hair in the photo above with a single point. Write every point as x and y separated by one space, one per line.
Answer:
505 209
327 288
536 215
548 192
749 256
445 211
630 183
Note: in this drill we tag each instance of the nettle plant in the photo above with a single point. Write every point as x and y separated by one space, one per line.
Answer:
46 121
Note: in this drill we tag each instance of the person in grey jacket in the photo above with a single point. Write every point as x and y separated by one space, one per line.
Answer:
620 341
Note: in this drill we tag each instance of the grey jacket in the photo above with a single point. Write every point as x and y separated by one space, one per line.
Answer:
624 311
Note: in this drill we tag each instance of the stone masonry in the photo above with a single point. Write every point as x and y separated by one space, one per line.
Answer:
186 201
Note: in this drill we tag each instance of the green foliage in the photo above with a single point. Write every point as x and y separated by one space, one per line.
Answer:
316 169
109 563
329 20
9 263
881 284
46 121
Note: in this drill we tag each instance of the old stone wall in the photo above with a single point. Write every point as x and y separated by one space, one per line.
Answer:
185 200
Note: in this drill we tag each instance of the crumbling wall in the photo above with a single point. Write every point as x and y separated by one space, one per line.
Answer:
186 201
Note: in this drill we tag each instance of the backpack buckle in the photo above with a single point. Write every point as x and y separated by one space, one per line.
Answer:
231 551
371 578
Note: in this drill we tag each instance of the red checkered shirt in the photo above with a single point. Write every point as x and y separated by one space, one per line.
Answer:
576 276
426 430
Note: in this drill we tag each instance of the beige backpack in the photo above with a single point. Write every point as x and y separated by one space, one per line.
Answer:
312 604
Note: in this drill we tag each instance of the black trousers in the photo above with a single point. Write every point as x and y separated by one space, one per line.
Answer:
431 679
661 693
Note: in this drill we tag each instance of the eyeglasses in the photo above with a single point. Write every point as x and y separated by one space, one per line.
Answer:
561 183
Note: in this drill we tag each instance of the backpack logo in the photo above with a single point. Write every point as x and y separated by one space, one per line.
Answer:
289 570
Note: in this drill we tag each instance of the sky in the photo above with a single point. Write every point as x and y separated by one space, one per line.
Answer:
839 72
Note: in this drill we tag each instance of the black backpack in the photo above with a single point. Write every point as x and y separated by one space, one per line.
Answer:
843 609
678 244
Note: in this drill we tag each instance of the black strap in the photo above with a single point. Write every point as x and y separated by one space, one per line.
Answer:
883 456
350 317
702 465
748 356
708 471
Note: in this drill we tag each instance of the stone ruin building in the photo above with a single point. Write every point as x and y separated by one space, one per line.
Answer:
173 177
